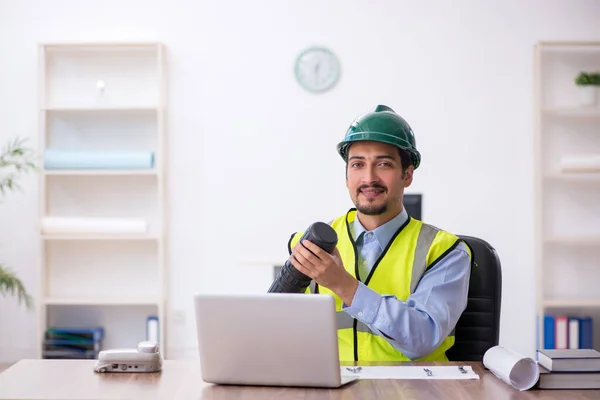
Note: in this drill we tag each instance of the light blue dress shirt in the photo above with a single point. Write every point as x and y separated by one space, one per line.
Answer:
418 325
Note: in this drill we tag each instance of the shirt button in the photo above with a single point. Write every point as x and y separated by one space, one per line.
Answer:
364 263
369 235
360 314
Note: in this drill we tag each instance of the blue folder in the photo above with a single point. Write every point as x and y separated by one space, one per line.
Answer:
586 333
94 159
549 332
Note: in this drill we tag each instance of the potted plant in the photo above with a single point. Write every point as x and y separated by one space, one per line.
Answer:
588 83
15 159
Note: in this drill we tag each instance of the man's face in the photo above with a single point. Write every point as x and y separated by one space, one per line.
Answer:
374 177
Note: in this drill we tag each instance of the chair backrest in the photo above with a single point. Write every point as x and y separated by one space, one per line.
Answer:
478 328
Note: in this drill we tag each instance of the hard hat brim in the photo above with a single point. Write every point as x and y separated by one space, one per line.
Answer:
342 147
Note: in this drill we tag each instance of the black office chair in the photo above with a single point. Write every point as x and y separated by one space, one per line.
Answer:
478 328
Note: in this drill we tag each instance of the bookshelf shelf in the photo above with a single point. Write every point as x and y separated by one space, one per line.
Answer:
574 240
101 237
100 172
593 178
576 303
574 112
102 109
102 192
99 301
566 187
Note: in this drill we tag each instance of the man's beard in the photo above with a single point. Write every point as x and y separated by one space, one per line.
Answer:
370 208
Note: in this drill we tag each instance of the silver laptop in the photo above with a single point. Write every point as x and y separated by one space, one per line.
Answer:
273 339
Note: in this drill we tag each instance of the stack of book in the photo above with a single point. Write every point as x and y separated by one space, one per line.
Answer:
569 369
73 343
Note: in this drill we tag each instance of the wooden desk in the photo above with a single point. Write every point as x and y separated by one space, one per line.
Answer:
75 379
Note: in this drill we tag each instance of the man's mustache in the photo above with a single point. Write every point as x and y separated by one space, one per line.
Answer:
374 186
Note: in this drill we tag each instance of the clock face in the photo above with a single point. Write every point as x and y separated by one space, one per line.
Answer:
317 69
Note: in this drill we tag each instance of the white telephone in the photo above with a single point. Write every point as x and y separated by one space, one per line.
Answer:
146 358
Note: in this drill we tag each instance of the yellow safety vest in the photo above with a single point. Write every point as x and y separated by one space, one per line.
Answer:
413 249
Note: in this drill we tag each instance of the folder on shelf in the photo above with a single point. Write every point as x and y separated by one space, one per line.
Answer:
581 164
72 343
66 225
152 328
561 331
567 332
76 334
573 333
96 159
585 333
549 333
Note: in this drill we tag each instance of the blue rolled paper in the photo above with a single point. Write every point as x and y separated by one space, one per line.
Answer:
95 159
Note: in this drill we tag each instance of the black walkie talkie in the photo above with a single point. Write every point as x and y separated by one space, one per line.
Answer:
289 279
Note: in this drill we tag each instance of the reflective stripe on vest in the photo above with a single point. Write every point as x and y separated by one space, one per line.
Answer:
413 249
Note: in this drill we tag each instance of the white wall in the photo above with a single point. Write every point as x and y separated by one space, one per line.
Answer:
252 155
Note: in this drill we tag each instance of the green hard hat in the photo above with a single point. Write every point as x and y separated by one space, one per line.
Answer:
381 125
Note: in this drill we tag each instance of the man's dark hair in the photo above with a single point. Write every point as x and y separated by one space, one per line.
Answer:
405 159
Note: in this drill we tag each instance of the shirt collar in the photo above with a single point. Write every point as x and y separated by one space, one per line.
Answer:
383 233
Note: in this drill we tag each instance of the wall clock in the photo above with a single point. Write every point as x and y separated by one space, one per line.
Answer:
317 69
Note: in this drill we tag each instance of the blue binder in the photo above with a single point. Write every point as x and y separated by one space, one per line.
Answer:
549 333
585 333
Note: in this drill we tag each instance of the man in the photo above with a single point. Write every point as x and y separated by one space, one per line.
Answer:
400 285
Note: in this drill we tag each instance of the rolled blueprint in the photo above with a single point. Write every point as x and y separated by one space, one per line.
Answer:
580 164
518 371
65 225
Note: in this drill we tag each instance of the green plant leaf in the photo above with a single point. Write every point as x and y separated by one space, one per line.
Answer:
587 78
15 159
9 283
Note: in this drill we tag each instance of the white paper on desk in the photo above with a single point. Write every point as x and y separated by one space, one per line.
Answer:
514 369
411 372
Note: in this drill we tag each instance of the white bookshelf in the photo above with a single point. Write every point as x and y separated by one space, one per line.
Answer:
567 199
103 97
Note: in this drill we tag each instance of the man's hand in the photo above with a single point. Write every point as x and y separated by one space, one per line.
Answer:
325 269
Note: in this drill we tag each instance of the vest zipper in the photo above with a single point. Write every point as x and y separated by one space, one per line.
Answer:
357 275
355 339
